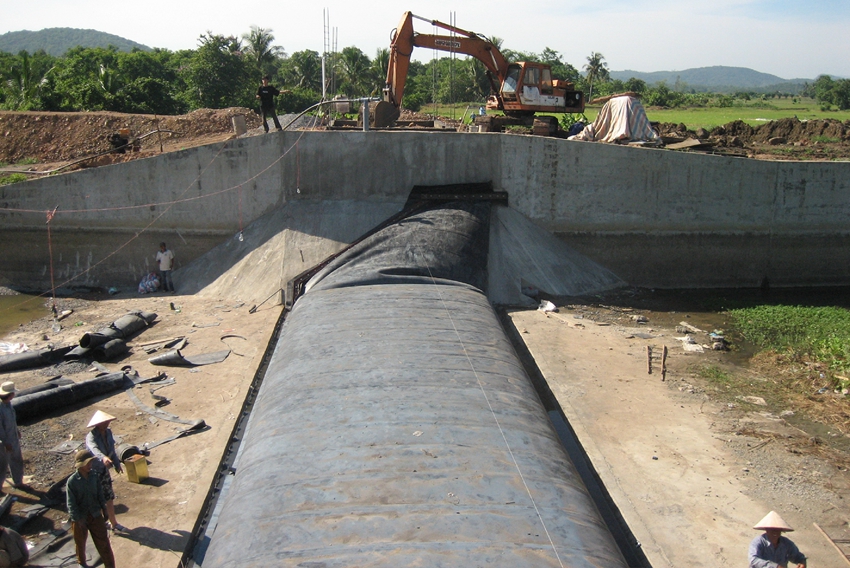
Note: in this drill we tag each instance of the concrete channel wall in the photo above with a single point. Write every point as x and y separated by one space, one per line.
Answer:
656 218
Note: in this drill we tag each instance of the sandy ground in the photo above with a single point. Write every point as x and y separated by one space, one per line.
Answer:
161 512
689 476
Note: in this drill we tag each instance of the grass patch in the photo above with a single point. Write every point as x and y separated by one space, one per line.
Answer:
715 375
801 364
728 386
14 178
754 113
26 162
814 334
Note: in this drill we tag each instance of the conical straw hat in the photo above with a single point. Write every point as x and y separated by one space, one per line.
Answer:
99 418
772 520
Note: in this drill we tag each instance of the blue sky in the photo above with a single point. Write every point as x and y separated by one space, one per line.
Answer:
790 39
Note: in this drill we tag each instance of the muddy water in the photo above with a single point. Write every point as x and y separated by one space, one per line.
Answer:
15 310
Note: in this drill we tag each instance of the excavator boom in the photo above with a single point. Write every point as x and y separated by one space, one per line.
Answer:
404 39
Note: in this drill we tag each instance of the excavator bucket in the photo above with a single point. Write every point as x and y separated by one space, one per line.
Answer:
383 114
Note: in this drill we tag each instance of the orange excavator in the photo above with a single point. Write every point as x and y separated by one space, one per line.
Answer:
519 90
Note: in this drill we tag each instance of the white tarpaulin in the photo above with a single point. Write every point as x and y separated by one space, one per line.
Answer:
621 119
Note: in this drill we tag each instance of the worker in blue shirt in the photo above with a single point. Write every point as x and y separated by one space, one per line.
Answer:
771 549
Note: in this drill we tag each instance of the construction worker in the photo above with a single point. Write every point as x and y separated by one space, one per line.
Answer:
11 459
266 93
771 549
86 507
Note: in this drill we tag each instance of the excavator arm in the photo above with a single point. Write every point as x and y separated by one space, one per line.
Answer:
404 39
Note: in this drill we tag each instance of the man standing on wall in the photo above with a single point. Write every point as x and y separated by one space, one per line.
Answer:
165 260
266 93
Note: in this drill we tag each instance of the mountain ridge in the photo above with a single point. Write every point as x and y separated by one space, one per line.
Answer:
718 78
57 41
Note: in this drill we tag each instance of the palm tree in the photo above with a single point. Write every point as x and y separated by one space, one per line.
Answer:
354 66
380 64
596 69
23 85
304 70
261 50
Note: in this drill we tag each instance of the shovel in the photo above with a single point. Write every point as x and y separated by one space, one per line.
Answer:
254 308
197 426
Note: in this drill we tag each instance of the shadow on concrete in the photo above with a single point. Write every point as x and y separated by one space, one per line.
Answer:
174 541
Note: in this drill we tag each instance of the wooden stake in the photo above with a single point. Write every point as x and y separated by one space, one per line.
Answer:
664 364
832 542
649 359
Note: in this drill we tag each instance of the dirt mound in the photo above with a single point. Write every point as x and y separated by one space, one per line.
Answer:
786 138
42 141
794 130
50 137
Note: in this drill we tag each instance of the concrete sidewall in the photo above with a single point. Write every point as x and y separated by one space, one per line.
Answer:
654 217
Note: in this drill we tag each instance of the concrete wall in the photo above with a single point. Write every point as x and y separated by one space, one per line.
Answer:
672 219
655 217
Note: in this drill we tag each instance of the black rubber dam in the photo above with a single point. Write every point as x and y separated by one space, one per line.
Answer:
396 425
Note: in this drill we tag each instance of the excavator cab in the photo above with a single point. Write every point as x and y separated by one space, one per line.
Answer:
528 88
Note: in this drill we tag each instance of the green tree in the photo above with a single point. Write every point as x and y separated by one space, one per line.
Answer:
841 94
303 70
219 75
87 79
355 78
635 85
418 91
823 89
560 70
152 83
379 66
24 84
262 51
829 92
597 70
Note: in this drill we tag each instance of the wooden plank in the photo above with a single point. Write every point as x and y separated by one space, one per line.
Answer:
832 542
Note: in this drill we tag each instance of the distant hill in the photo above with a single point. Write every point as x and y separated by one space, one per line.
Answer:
719 79
56 41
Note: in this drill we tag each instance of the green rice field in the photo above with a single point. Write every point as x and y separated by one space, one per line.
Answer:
754 112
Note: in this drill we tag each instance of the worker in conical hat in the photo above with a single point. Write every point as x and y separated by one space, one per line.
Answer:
771 549
99 418
101 444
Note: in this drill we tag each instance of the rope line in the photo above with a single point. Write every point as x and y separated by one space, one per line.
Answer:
50 215
492 410
168 205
